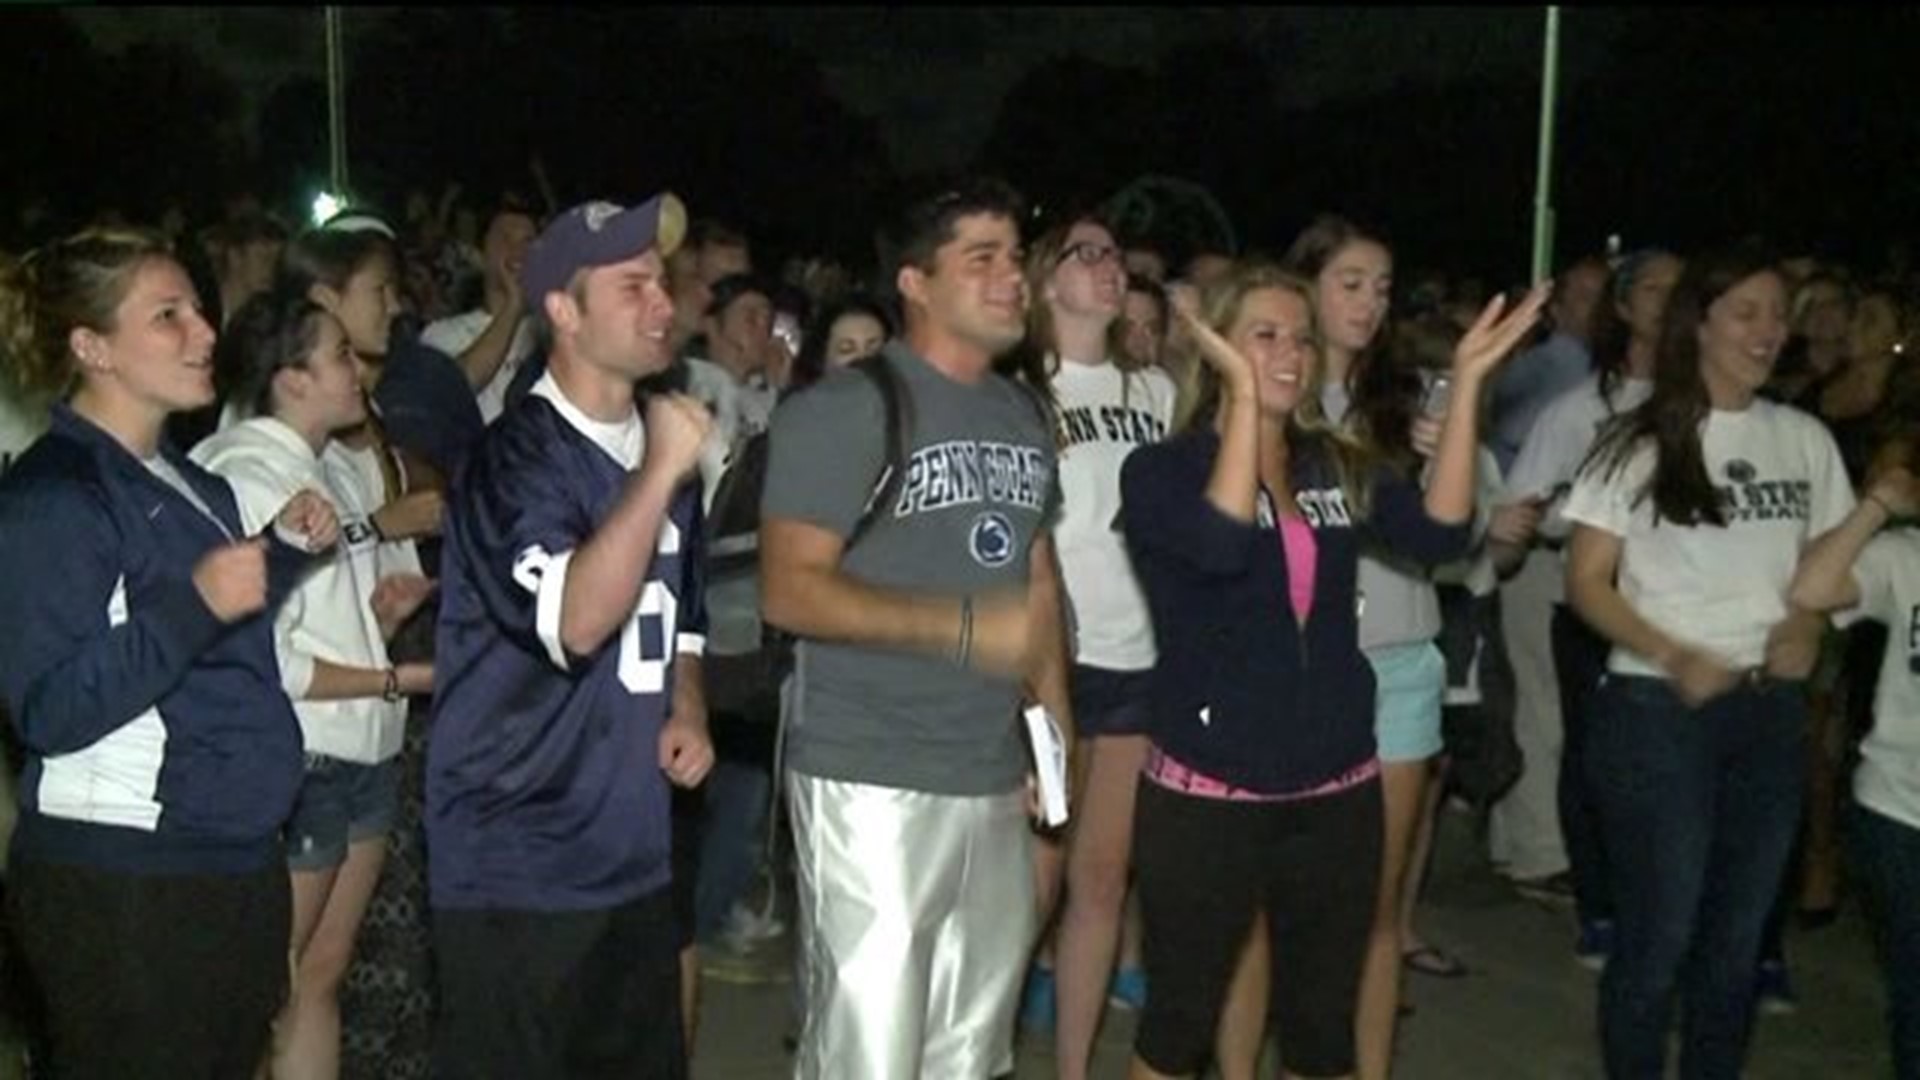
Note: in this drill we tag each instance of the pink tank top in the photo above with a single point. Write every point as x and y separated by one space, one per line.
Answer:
1302 552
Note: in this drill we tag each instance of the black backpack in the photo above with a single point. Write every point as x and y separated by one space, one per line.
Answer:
1480 739
733 519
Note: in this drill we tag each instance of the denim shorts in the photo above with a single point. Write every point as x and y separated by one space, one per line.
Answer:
341 803
1107 702
1410 682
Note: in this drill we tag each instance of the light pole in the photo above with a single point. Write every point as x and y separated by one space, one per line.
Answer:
336 106
1543 171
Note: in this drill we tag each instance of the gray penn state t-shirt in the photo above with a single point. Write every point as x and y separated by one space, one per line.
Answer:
979 486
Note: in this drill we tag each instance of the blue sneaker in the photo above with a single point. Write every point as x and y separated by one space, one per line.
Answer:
1595 943
1037 1001
1773 990
1128 989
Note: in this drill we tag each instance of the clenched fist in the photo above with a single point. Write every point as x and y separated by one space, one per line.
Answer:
677 425
232 580
310 515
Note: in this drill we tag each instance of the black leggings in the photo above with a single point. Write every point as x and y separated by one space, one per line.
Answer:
1205 866
159 976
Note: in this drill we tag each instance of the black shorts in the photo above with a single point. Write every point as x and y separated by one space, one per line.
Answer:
539 995
163 975
1107 702
688 808
1204 866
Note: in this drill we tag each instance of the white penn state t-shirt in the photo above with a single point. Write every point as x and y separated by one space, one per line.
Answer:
1104 415
1780 483
1888 576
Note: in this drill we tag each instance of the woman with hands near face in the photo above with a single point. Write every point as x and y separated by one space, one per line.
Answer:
147 878
302 381
1261 796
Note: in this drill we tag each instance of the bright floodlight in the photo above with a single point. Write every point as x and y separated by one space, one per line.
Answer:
325 205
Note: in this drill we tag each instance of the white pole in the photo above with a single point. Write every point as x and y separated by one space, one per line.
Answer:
336 106
1543 172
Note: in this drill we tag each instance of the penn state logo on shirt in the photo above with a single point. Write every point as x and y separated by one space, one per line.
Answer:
1741 472
990 539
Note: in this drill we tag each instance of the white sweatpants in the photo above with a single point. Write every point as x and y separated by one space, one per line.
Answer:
1524 830
917 915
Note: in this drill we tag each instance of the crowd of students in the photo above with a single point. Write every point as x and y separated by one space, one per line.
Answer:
490 647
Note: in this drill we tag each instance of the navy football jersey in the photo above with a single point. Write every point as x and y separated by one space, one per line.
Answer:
544 788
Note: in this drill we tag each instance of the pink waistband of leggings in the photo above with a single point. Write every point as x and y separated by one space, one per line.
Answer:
1174 776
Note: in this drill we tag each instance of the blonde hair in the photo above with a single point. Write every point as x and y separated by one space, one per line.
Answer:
1200 391
75 283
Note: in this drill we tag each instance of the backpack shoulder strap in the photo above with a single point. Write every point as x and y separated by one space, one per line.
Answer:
897 405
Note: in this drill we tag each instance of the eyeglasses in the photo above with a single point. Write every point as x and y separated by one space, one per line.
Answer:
1089 253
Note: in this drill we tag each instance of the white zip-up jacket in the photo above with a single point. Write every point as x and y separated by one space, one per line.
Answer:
330 616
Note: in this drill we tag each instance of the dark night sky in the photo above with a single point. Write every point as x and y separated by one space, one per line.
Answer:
933 77
1680 126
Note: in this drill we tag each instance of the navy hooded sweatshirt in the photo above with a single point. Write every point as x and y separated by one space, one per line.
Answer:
1242 692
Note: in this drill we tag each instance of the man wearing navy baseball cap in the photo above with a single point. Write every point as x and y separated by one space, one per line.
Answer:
570 627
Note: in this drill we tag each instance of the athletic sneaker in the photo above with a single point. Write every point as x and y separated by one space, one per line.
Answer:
1774 990
746 928
1595 943
1037 1003
1554 890
1128 989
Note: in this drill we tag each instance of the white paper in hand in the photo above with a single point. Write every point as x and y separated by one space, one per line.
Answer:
1049 764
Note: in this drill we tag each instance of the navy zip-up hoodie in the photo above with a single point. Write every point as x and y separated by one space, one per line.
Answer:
1241 692
157 739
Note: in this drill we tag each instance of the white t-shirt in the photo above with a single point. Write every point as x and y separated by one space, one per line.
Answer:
1888 576
1780 482
1550 456
1397 603
456 334
740 411
1104 415
330 616
22 420
1559 441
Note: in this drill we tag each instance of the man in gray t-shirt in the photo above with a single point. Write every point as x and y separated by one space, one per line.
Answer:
917 644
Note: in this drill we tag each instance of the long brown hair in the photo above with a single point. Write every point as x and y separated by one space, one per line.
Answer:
1671 420
1382 395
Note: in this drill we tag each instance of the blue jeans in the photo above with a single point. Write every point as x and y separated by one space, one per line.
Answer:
731 841
1579 663
1887 853
1698 809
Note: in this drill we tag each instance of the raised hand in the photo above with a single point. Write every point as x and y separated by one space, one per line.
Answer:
686 752
1699 677
1793 645
397 597
1515 523
1235 370
1424 434
677 425
1896 490
415 678
310 515
232 580
417 513
1498 329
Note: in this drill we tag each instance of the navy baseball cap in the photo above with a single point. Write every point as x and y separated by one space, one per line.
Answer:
600 234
